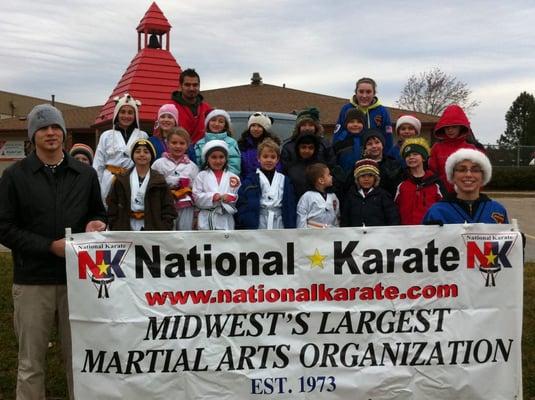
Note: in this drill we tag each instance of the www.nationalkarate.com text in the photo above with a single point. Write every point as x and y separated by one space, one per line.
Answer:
316 292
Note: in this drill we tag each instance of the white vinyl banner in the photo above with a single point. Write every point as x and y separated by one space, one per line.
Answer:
422 312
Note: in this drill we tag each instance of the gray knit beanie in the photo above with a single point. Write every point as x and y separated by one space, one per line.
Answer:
44 115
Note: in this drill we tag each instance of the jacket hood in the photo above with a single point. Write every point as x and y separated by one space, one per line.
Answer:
452 115
177 96
429 178
375 103
308 138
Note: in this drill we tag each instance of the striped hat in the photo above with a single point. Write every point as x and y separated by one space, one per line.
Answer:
367 166
80 148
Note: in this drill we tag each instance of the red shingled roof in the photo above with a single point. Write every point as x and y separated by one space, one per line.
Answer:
154 21
150 78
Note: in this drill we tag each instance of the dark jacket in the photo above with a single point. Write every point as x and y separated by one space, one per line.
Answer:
377 117
376 209
348 150
36 205
391 174
159 205
295 167
248 204
289 153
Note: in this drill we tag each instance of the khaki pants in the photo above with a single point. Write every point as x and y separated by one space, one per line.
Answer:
34 317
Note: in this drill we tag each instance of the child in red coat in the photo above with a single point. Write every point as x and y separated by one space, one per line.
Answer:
422 188
452 130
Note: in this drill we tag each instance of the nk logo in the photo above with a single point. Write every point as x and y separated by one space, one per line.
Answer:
101 263
489 254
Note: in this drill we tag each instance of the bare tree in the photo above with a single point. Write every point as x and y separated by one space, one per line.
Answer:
432 91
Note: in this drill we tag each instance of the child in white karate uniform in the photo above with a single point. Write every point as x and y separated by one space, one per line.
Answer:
266 197
317 208
112 157
179 173
215 189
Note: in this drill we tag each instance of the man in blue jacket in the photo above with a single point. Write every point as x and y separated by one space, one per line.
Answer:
42 195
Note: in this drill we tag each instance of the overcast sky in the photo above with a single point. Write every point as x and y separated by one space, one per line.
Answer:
78 50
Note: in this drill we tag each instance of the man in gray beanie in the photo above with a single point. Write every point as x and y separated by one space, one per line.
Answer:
42 195
42 116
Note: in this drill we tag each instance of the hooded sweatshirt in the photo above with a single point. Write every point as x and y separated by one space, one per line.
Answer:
452 115
377 117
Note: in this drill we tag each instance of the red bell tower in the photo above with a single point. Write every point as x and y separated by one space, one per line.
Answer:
151 76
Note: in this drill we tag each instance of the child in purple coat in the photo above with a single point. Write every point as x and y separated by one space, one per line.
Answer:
258 129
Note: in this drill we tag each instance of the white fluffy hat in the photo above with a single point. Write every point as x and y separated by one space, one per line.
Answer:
216 113
409 119
214 144
126 100
476 156
261 119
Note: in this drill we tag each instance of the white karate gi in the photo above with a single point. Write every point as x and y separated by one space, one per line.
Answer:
271 201
173 173
313 211
219 215
112 150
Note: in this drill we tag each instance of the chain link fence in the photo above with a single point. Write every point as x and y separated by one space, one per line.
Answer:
519 156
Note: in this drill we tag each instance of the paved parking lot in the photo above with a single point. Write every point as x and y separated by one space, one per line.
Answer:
523 209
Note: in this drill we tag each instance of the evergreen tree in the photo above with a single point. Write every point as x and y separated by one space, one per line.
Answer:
520 118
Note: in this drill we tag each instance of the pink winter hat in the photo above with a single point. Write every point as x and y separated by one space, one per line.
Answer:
169 109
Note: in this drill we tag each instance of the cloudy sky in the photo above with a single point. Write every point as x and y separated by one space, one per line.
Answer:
78 49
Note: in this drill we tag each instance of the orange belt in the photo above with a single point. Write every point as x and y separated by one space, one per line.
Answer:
137 214
178 193
116 170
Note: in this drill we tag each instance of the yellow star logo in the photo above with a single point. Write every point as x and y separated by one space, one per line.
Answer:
316 259
490 258
103 268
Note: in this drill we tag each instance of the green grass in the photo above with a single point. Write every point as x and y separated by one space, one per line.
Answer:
56 386
55 381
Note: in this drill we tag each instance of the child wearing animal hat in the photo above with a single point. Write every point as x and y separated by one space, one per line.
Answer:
215 189
112 156
422 188
467 170
218 127
166 120
141 199
366 203
258 129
